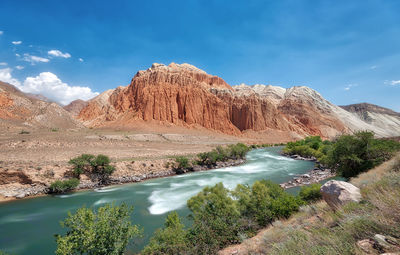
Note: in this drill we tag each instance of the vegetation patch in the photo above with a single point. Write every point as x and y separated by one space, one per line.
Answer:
64 186
349 155
105 231
222 217
98 167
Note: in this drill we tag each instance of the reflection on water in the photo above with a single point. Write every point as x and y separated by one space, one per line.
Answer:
28 226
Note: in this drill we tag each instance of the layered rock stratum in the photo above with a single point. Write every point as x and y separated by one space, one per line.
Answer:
181 94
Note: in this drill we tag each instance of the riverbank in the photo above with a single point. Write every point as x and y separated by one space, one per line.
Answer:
14 192
316 175
125 174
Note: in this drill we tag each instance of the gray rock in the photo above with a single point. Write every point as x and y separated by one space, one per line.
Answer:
338 193
381 241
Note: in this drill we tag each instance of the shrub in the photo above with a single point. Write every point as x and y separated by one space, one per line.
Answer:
183 162
81 164
24 132
236 151
169 240
265 201
106 231
215 220
64 186
97 167
310 193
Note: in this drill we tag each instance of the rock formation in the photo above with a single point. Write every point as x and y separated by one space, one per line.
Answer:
181 94
338 193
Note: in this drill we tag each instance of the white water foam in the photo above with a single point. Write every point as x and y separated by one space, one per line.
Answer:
103 190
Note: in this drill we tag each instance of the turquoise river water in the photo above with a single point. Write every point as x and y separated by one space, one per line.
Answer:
28 226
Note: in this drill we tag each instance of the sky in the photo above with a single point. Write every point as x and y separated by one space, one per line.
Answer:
349 51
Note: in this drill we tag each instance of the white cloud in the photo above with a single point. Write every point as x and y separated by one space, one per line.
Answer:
5 76
80 59
351 85
19 67
373 67
3 63
1 32
50 86
34 59
57 53
16 54
393 82
16 42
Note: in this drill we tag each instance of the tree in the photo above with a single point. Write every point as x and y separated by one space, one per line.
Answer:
169 240
215 220
96 167
105 232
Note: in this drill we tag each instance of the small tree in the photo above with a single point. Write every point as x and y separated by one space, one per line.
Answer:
105 232
215 220
97 167
183 162
169 240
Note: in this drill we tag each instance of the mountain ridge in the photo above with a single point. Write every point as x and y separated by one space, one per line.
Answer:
181 94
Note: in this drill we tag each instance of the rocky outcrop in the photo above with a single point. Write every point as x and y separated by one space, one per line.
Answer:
337 193
181 94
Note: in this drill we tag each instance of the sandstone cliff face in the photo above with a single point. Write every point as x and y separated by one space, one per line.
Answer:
181 94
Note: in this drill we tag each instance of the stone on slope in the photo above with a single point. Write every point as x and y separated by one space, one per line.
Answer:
338 193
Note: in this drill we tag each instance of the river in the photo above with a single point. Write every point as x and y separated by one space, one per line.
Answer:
28 226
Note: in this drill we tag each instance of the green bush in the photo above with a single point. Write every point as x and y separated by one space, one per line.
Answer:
64 186
97 167
215 220
172 239
310 193
236 151
105 231
183 162
265 201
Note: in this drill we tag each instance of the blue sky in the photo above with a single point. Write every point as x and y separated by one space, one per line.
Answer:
349 51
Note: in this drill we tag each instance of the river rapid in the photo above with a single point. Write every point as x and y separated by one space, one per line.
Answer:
28 226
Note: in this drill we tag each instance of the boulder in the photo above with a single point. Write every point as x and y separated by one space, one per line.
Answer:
338 193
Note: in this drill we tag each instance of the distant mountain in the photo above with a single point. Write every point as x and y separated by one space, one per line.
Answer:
366 107
18 109
75 107
181 94
379 117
